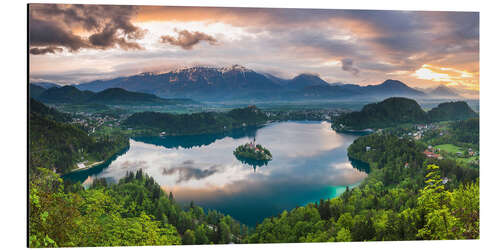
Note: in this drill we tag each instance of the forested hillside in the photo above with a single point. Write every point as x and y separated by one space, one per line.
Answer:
197 123
111 96
133 212
397 110
35 90
58 146
451 111
390 112
405 197
466 131
463 133
36 107
65 94
117 96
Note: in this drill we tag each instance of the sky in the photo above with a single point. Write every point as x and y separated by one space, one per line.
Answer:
78 43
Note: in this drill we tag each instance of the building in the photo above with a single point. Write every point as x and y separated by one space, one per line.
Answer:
417 136
252 144
445 180
471 152
431 154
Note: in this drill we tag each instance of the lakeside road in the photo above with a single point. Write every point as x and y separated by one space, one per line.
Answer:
86 167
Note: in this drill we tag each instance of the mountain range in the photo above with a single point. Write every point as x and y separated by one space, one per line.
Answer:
110 96
45 85
240 83
35 90
443 91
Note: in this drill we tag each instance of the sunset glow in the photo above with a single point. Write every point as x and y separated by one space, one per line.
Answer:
427 74
422 49
449 76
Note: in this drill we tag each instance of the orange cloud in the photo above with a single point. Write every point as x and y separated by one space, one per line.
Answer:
449 76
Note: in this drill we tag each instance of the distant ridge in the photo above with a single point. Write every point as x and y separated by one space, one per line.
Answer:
35 90
305 80
65 94
237 82
443 91
111 96
46 85
393 87
118 96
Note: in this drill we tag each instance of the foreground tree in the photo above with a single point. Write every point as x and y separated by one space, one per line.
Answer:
434 201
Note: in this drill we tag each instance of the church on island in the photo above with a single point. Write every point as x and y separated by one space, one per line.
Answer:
254 151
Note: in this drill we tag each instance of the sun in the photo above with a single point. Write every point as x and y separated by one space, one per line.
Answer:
448 76
426 73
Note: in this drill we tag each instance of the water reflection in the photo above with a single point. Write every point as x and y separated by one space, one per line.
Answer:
252 162
187 171
361 165
190 141
86 176
309 163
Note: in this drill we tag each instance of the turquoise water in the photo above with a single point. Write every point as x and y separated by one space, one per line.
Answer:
309 163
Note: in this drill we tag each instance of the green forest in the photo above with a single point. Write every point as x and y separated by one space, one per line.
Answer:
406 196
133 212
111 96
57 145
463 133
398 110
255 153
197 123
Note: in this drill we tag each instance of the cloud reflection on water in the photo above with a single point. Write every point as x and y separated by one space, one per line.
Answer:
186 171
308 159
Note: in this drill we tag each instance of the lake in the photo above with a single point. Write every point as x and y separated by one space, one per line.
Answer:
309 163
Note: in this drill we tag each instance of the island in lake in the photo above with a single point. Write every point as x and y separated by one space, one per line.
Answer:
253 151
120 156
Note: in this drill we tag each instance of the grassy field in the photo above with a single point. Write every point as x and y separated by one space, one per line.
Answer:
453 149
87 108
469 160
107 131
450 148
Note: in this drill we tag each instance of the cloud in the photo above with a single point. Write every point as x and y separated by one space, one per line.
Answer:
82 26
50 34
348 65
109 38
46 50
187 171
392 35
133 166
187 39
298 40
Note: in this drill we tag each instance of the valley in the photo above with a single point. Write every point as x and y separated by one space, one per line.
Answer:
171 125
197 148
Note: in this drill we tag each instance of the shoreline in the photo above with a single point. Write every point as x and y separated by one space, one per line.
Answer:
95 164
87 167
